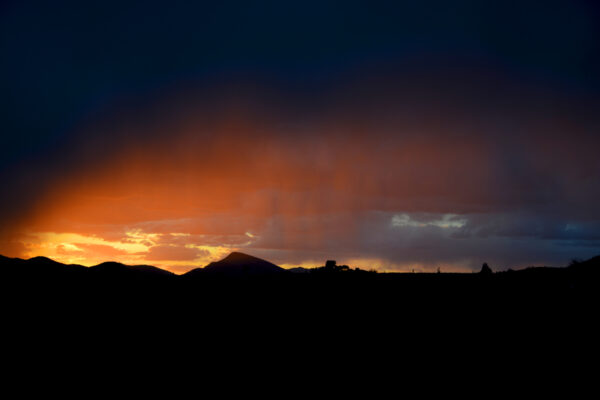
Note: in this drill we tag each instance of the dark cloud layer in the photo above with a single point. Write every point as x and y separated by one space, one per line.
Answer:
304 131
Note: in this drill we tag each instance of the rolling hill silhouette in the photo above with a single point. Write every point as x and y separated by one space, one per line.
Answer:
115 268
44 274
234 265
37 267
241 292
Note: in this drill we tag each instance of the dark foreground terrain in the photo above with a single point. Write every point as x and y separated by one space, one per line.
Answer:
241 281
242 313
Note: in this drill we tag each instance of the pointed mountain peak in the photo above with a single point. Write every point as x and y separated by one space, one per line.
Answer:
237 257
241 264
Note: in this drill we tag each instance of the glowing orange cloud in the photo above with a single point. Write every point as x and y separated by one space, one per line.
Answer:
194 187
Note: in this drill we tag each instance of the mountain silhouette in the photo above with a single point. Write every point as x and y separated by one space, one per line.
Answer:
44 274
242 294
43 270
238 264
37 267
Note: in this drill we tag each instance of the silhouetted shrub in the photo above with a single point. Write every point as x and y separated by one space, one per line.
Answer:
485 269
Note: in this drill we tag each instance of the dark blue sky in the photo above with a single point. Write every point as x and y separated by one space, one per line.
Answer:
512 72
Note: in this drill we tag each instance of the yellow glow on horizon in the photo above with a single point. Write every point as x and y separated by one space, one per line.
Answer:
136 247
74 248
69 238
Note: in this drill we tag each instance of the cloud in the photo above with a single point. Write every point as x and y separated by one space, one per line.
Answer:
174 253
529 225
69 250
90 251
418 167
420 244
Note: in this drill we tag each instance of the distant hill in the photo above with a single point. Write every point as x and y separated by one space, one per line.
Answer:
241 295
238 265
588 266
300 270
235 264
118 268
43 268
41 273
38 266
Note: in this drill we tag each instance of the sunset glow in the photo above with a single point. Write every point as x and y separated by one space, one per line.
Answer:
390 144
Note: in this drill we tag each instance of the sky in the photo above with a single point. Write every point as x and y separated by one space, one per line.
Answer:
395 136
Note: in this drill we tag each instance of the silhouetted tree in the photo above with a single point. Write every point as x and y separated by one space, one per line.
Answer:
574 262
485 269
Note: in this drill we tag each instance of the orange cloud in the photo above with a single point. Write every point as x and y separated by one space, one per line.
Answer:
174 253
193 184
101 250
